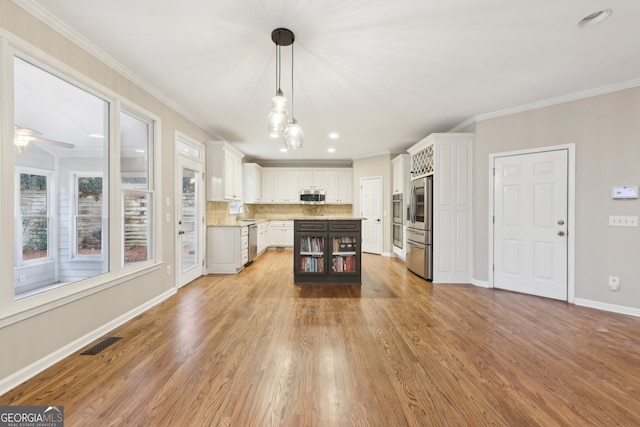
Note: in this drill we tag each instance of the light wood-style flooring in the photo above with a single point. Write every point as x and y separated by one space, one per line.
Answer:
254 349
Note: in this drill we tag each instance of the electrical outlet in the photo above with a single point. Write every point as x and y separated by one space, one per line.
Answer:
22 278
614 283
168 270
623 221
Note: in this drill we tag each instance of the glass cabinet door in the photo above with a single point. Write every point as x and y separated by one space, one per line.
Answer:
344 254
312 254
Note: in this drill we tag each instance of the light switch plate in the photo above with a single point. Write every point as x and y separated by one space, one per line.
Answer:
623 221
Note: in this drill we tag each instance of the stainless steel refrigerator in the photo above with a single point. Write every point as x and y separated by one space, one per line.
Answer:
420 228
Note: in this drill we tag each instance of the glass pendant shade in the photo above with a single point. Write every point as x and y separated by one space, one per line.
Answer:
277 121
279 102
293 135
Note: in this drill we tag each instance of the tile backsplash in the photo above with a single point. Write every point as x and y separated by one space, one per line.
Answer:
218 212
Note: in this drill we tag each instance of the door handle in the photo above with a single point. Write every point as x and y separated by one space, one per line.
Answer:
560 233
180 232
560 222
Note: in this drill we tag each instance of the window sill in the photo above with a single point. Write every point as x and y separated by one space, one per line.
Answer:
59 295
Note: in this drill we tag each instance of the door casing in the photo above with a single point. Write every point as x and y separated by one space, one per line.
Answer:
196 162
571 205
380 226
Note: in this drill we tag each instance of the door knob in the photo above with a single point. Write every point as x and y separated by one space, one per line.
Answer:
560 233
180 232
560 222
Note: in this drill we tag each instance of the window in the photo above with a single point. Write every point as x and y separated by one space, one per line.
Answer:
82 215
88 207
135 143
34 216
137 227
60 131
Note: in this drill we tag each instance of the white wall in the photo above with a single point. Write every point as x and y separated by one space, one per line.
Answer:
607 137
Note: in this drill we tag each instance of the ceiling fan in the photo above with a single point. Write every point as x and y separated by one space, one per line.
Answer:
23 136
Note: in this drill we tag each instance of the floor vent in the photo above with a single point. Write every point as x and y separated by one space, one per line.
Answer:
101 346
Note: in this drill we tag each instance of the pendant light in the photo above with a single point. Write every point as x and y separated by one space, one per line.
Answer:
293 135
278 117
278 114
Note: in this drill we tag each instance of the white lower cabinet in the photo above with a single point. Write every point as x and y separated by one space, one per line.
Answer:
281 233
263 237
227 249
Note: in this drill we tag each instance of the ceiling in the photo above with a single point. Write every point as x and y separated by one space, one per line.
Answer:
382 74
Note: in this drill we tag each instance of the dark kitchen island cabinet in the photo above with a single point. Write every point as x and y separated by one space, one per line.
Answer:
327 250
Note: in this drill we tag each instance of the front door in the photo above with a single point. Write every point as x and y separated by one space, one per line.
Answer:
531 215
190 221
371 210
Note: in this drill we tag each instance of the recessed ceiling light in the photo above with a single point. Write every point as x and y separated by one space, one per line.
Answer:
95 135
331 150
594 18
283 150
334 135
139 151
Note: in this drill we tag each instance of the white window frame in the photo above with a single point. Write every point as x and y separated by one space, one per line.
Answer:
153 139
19 261
73 234
14 310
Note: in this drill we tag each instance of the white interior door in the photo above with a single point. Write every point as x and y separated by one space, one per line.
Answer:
530 230
190 220
371 209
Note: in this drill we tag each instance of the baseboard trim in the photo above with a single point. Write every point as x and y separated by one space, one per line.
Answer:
388 254
480 283
17 378
621 309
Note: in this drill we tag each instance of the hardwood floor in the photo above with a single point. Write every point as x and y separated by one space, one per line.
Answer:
256 350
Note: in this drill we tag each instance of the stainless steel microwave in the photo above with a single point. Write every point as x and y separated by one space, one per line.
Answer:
312 197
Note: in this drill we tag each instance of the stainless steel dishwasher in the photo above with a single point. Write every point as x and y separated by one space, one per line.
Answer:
253 242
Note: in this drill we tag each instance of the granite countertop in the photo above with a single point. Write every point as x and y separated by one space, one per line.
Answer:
242 223
328 218
247 222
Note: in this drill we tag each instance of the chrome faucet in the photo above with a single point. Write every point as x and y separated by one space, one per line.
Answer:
242 210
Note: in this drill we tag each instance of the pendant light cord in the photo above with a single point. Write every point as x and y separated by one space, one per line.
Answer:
279 59
292 116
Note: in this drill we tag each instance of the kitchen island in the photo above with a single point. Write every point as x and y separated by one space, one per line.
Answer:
327 250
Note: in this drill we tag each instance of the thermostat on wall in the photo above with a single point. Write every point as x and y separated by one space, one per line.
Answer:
625 193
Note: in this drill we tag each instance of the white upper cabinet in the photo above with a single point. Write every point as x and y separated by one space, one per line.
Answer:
287 186
268 185
224 172
312 179
283 185
252 184
400 176
339 186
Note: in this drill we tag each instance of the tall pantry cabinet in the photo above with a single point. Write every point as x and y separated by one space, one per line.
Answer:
448 158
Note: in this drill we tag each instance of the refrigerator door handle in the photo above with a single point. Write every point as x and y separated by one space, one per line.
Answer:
413 203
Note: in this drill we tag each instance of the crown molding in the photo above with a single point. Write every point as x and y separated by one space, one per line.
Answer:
42 14
549 102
